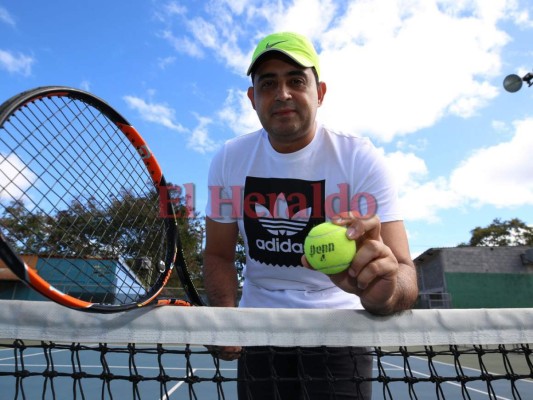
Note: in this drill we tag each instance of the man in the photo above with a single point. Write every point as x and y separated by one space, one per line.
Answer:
273 186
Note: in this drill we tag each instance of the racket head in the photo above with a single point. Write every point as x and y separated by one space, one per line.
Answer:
84 198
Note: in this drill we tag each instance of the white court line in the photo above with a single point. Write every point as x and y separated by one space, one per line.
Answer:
118 367
175 387
26 354
448 382
194 370
529 381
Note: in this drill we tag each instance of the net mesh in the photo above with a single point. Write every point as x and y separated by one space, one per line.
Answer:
172 352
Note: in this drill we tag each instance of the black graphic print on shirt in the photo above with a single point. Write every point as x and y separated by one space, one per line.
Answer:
278 214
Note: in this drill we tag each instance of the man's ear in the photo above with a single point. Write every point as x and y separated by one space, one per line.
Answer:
251 96
322 89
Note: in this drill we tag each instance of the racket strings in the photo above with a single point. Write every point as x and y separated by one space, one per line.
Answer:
60 168
78 190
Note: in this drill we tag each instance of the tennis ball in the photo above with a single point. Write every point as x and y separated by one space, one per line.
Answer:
327 248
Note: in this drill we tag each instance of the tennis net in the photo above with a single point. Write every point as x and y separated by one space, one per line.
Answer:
50 352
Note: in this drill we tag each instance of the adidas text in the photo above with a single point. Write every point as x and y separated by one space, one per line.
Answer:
275 245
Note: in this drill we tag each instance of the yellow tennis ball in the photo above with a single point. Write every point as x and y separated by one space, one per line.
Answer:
327 248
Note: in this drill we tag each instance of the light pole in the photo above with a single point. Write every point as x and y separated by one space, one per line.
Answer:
513 83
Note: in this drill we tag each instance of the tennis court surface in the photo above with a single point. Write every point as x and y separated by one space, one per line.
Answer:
50 352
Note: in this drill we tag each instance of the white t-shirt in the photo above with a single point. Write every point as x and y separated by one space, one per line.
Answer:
277 198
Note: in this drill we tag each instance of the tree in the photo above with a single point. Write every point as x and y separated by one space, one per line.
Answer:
127 226
513 232
240 258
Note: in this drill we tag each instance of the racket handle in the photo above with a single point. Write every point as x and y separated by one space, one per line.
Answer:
173 302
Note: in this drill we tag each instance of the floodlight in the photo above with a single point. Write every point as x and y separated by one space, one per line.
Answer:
512 83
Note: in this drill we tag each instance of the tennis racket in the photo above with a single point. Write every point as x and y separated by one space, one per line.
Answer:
86 216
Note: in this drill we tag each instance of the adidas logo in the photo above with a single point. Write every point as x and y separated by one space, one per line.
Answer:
280 224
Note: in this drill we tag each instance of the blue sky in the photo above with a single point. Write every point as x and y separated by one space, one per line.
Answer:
421 78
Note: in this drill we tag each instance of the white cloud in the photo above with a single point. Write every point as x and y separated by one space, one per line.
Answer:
309 17
164 62
418 64
238 113
158 113
500 175
199 140
220 36
224 28
500 126
16 63
420 198
161 114
415 146
85 85
173 8
6 17
15 177
521 18
424 201
392 67
183 44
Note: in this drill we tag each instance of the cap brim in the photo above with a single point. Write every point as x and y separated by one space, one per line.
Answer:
300 61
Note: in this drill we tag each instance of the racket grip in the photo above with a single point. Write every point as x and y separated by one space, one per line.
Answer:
173 302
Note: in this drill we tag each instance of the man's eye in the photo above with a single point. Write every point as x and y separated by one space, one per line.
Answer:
298 82
267 84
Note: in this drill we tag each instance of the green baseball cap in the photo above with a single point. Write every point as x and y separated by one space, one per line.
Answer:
295 46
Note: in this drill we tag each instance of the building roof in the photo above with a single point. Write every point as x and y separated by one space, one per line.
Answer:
480 259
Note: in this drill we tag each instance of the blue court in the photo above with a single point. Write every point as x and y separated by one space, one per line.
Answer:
203 368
